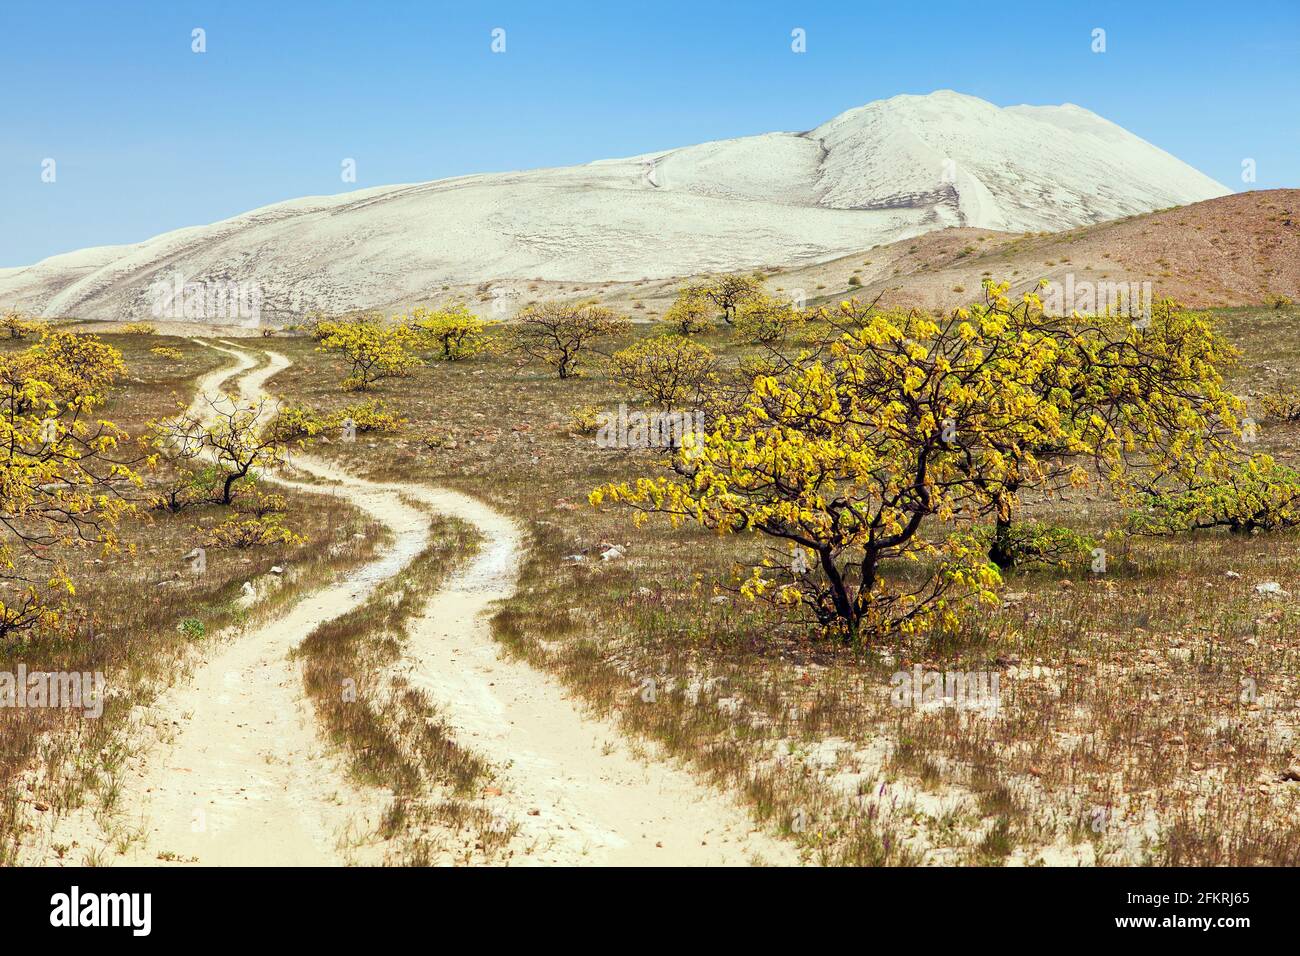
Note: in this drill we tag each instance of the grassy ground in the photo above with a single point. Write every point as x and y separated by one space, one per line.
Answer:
140 618
1147 713
390 730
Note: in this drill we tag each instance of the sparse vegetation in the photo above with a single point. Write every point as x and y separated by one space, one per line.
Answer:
559 334
374 350
456 331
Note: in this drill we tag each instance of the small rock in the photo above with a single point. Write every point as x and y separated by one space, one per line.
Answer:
1270 589
1232 575
575 557
277 570
1292 773
612 554
718 599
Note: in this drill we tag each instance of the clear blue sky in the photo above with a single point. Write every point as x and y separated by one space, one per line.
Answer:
149 136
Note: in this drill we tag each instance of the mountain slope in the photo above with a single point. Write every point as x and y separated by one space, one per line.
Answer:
885 171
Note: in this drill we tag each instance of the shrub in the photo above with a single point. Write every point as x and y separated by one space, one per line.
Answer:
251 532
261 504
187 486
295 423
1033 543
1261 495
665 370
18 326
373 349
192 628
585 420
729 292
138 328
767 321
689 313
456 331
1280 405
371 416
558 334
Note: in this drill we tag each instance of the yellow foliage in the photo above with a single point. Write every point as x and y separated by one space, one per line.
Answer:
457 332
690 311
666 370
845 451
60 479
251 532
375 350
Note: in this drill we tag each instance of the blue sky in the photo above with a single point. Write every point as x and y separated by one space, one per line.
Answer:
149 136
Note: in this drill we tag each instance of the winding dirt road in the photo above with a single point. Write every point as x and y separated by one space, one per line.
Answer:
245 779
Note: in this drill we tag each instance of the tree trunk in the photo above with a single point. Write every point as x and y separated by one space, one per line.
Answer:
1001 552
227 491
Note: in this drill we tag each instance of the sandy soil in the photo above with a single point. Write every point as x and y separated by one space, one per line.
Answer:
239 775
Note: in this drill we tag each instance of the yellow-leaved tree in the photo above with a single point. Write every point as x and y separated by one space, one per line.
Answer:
15 325
63 475
667 370
374 349
456 332
1135 405
768 320
900 422
728 292
690 312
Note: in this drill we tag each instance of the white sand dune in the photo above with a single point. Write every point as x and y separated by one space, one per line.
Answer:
885 171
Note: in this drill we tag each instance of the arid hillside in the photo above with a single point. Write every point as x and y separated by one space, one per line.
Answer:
1236 250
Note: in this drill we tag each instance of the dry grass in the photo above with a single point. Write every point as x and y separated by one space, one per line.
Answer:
1122 735
390 730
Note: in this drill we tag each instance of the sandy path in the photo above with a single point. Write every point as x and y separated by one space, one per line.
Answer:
240 776
571 784
244 778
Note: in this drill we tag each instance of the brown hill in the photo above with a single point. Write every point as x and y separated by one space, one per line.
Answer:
1235 250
